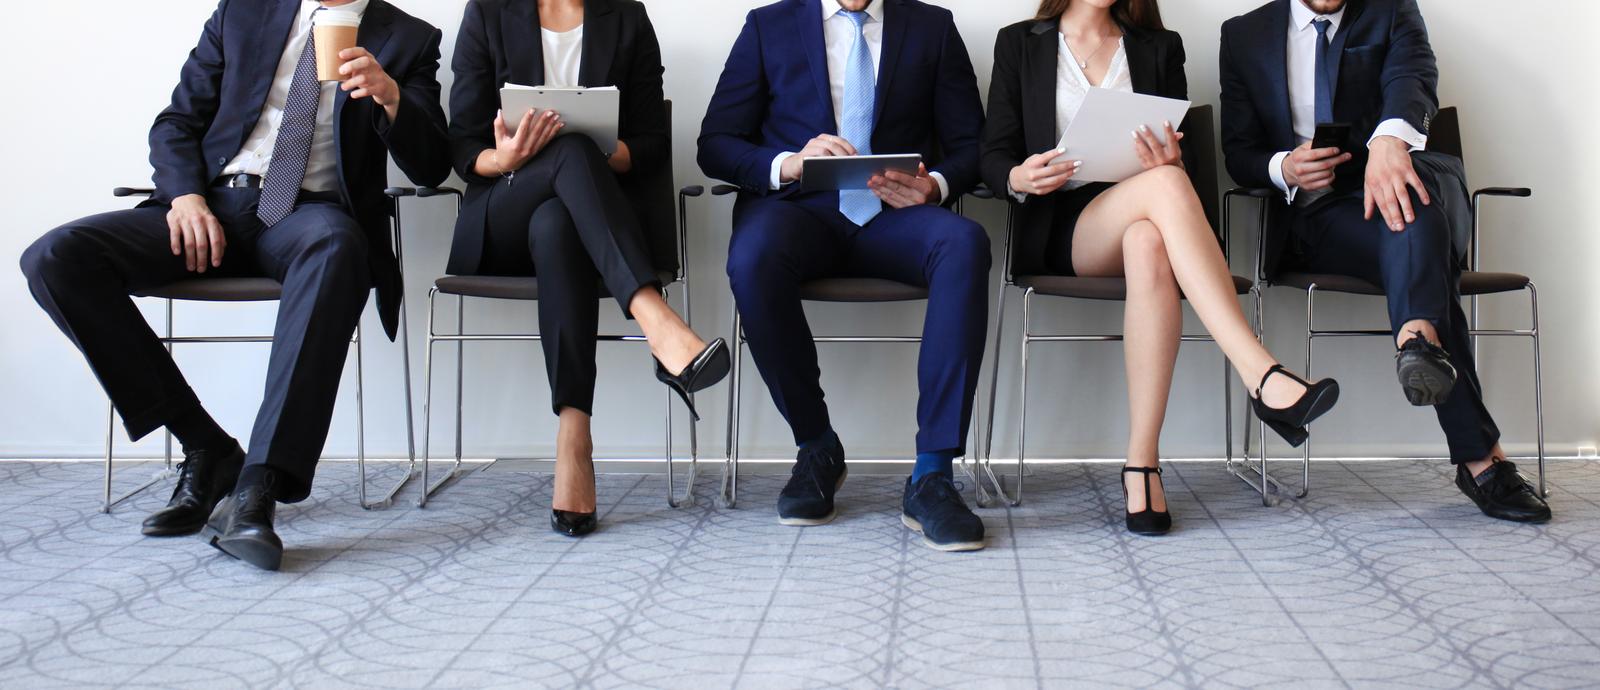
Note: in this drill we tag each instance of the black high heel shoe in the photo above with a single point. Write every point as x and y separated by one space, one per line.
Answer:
1290 422
704 371
1148 522
570 524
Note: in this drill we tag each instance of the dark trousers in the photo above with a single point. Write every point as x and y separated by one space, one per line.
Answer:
565 219
83 272
1421 279
778 244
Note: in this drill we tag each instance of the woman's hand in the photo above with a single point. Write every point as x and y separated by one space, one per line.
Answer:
1153 153
622 160
1038 176
512 151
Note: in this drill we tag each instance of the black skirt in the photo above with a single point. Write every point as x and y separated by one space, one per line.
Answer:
1069 205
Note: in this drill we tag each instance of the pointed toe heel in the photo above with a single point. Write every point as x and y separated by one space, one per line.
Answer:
704 371
570 524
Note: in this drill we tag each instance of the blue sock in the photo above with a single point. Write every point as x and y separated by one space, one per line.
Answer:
942 461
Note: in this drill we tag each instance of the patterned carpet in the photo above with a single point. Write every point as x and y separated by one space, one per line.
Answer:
1384 577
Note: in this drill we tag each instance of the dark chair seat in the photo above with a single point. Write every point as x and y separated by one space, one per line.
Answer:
1472 283
510 287
860 290
1111 289
219 290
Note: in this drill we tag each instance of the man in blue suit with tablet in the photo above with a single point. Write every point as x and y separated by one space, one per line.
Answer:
817 78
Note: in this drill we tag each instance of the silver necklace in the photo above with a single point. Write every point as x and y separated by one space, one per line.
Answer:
1084 63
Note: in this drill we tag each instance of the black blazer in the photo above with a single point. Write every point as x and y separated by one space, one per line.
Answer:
1022 112
224 85
500 43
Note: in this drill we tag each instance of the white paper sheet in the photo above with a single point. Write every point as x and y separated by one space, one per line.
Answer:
1101 133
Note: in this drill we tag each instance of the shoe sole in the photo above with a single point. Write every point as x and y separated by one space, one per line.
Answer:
813 522
251 551
915 526
1424 385
172 531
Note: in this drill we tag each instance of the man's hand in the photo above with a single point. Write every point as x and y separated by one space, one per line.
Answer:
1038 176
364 77
622 160
511 152
1153 153
196 234
1312 169
822 145
900 190
1389 172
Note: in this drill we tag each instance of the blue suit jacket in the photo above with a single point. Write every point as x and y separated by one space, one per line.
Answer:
224 85
773 95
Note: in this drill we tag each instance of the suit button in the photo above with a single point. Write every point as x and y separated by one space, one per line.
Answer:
222 161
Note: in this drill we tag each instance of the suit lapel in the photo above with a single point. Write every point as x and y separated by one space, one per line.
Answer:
1142 68
1347 26
1277 65
373 35
808 25
600 30
1039 86
519 20
276 21
894 36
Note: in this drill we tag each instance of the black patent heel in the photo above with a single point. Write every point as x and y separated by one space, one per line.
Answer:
1290 422
706 370
1148 522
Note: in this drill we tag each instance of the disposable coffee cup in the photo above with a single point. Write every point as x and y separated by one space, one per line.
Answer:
334 31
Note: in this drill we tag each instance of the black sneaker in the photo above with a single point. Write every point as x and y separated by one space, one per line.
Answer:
808 497
933 508
1425 372
1502 492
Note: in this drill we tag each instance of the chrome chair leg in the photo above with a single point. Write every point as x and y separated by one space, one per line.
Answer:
730 472
428 490
1538 387
984 498
411 432
427 399
1015 499
361 424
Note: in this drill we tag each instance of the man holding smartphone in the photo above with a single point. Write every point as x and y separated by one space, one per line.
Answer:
1369 203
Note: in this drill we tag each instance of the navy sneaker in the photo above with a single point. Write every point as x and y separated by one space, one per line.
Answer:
818 473
934 508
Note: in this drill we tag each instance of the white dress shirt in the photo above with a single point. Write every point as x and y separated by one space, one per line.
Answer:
563 53
1072 87
1302 66
322 168
838 38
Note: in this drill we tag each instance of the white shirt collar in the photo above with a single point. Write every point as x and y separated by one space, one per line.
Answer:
832 7
1301 16
359 6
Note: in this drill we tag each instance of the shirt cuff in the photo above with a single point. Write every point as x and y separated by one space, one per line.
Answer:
1275 171
944 187
1402 130
777 170
1019 196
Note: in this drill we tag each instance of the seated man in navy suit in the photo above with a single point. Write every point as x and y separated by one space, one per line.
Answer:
1378 206
809 78
260 170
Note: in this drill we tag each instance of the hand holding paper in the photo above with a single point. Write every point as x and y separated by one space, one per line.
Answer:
1098 133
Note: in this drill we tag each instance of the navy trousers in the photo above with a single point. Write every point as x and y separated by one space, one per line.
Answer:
82 274
1421 278
779 244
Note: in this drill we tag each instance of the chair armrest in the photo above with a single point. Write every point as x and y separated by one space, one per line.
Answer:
1477 202
692 190
723 189
426 192
1252 192
397 192
1520 192
133 191
1264 196
981 192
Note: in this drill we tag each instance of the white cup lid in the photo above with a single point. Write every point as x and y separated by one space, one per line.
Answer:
336 18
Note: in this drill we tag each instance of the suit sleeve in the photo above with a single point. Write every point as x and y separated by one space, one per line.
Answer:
957 114
416 138
727 148
1177 81
1004 143
175 138
1244 145
473 98
645 121
1410 73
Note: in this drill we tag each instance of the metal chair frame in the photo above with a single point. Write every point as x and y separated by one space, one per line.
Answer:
169 340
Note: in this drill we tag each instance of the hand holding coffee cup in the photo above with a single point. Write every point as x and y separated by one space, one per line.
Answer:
334 32
363 77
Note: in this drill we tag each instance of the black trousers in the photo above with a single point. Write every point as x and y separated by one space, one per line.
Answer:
565 219
1421 279
82 274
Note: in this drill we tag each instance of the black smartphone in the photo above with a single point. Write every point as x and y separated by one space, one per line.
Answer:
1331 135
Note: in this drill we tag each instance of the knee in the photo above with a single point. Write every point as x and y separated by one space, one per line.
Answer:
49 258
1170 179
754 258
340 244
550 223
1144 256
962 242
574 147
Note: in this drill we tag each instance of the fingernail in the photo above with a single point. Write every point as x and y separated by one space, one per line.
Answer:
1077 164
1166 123
1060 150
1136 134
1144 128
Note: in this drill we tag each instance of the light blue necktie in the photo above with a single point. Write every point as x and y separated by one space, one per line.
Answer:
855 123
1324 84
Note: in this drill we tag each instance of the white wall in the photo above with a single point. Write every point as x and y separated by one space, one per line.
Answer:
77 116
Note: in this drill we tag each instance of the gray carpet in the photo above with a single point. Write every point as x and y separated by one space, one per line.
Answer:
1384 577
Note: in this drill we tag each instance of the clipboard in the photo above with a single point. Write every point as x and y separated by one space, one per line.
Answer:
591 112
1100 133
833 173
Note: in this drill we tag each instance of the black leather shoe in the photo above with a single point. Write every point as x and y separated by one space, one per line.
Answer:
933 508
569 524
204 477
1425 372
1148 522
704 371
1502 492
808 497
241 526
1290 422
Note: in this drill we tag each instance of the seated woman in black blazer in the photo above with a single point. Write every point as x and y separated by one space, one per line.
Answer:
1149 229
539 203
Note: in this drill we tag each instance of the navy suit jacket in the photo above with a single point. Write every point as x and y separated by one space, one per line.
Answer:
774 97
224 85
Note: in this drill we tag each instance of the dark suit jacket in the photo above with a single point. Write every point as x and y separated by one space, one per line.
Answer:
774 97
500 43
224 85
1022 111
1386 70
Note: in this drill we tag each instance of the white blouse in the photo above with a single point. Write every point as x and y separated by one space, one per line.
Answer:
1072 86
563 53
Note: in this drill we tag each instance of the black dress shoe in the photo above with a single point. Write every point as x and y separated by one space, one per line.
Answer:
1148 522
1426 374
932 507
1501 492
1290 422
817 475
571 524
241 526
204 477
704 371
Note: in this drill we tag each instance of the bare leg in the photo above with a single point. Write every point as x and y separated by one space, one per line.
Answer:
574 483
671 340
1151 325
1415 326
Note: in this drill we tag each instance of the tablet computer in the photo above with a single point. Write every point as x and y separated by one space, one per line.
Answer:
832 173
591 112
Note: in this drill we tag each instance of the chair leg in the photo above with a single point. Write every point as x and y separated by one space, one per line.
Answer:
1311 337
111 426
984 499
411 431
461 346
427 399
361 424
1227 412
1015 498
730 471
1538 387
